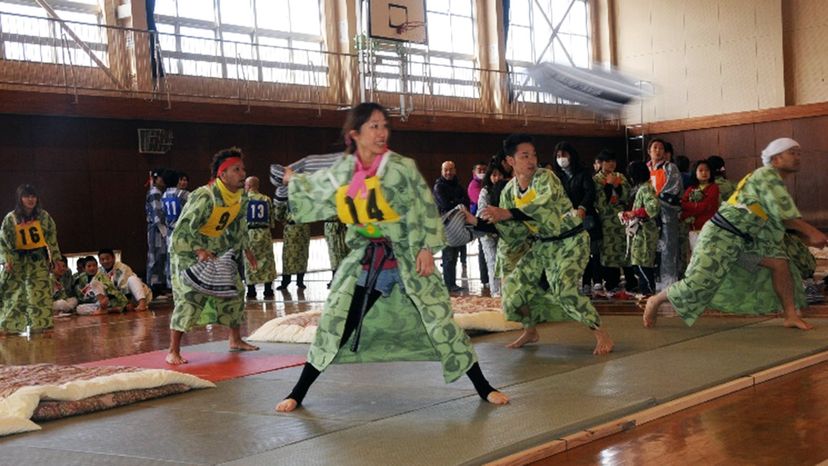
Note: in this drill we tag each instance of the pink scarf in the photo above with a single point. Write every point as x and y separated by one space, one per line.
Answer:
361 173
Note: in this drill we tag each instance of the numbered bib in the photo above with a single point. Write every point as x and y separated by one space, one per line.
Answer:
365 212
258 213
29 235
756 209
220 218
172 208
523 201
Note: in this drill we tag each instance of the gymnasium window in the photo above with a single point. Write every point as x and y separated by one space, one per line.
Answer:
446 66
27 33
531 40
253 40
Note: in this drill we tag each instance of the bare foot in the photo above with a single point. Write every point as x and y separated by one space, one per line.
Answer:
603 342
142 305
287 405
796 322
242 346
651 312
529 335
496 398
175 359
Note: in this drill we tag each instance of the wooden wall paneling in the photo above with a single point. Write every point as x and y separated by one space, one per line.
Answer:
811 134
16 134
737 142
767 132
810 190
701 143
738 168
59 144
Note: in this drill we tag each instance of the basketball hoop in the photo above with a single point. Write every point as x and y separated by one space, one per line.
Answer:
409 25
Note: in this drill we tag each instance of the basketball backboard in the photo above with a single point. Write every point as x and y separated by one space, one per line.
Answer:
400 20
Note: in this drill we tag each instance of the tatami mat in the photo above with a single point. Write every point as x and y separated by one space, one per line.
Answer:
402 413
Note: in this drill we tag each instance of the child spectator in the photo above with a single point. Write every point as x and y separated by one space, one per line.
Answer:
125 280
173 200
717 167
700 201
157 258
493 183
94 287
63 295
641 227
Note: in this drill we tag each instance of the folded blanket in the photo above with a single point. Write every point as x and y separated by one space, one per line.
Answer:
22 388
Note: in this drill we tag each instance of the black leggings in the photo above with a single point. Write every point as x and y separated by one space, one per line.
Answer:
310 373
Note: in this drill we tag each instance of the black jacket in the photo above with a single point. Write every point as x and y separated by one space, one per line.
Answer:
448 194
580 189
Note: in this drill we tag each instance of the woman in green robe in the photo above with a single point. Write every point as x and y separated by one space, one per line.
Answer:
28 243
386 303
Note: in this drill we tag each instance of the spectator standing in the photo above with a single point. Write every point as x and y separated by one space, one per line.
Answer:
448 194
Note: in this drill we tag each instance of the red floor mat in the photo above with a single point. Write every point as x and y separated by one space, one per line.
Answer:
214 367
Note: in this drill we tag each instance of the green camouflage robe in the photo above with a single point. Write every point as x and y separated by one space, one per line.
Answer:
645 242
800 255
714 278
27 289
335 239
414 324
116 298
522 259
63 286
186 239
613 242
295 242
726 188
260 219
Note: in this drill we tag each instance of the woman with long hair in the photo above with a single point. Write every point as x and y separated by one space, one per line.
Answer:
386 302
28 246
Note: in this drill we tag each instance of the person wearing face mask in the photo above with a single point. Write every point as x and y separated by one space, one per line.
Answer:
580 189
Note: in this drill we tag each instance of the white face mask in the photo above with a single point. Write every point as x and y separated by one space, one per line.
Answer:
563 162
479 176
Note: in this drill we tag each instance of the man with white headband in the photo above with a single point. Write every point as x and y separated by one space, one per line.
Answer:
740 265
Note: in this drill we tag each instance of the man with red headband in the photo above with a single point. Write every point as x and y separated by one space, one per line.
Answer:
212 222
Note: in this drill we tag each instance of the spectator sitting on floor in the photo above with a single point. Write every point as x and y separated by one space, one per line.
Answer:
94 287
122 276
63 295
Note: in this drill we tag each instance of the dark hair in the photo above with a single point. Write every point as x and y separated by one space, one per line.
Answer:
494 193
606 155
511 143
683 163
655 140
574 158
357 117
717 165
170 178
500 158
695 181
638 172
19 212
81 261
183 175
106 251
61 259
220 157
493 166
88 259
668 148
